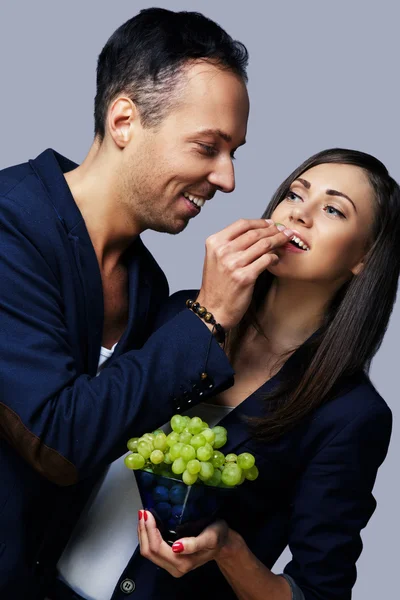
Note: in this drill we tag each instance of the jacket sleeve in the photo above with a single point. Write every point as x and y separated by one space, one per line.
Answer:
66 424
333 503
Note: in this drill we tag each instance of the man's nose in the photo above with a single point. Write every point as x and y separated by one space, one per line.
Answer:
223 177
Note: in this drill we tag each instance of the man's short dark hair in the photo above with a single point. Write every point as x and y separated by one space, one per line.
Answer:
145 58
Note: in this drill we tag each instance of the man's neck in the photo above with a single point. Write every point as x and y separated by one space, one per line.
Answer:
96 188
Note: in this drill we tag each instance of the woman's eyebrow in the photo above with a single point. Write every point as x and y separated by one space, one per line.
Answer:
307 185
336 193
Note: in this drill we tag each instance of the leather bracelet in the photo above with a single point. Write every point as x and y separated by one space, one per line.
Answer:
203 313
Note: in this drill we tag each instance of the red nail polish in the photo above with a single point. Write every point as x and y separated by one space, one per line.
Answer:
177 547
145 515
139 514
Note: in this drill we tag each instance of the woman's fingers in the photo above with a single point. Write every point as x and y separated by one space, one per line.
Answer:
209 540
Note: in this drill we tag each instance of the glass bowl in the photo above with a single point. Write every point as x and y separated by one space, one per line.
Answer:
180 510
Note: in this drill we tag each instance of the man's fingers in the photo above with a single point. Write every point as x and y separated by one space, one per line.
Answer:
263 246
239 228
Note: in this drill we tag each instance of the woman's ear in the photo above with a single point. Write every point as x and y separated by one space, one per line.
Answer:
356 270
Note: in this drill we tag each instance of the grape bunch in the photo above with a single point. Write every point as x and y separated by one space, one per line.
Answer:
191 452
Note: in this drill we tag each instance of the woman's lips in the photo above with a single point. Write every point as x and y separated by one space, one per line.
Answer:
291 248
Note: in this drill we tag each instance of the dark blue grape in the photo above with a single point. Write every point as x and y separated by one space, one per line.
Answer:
160 494
163 510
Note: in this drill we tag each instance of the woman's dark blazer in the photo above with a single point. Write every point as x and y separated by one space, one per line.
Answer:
314 493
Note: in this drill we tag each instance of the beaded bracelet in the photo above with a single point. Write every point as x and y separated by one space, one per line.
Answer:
202 312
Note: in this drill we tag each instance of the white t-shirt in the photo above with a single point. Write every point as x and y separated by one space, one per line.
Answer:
105 536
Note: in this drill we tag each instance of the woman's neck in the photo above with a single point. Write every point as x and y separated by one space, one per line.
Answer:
292 311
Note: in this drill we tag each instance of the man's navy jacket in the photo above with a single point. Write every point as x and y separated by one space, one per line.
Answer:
60 425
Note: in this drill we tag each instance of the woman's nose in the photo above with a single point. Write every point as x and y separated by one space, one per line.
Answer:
300 214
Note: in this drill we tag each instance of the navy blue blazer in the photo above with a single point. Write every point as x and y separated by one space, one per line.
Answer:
313 493
59 424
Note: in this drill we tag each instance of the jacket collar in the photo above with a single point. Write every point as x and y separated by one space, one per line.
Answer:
50 167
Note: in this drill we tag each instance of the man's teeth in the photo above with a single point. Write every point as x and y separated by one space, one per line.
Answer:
299 242
197 201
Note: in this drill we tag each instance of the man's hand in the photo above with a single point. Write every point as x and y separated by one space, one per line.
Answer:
235 257
186 554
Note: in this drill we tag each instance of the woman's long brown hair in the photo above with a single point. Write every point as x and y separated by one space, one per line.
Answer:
356 321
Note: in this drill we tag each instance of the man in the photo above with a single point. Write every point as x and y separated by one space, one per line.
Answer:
78 285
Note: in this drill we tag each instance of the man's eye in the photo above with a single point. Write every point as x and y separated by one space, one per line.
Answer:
209 150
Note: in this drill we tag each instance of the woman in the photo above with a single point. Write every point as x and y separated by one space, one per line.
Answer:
302 401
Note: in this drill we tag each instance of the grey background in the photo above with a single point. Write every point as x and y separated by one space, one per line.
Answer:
321 75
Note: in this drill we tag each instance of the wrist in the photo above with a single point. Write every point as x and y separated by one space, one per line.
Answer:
201 311
232 548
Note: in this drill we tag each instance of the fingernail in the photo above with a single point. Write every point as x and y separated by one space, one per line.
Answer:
269 221
288 232
139 514
177 547
280 226
145 515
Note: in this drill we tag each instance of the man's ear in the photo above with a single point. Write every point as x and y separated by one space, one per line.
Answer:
122 116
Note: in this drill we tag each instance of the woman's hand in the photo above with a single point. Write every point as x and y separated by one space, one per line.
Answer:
187 553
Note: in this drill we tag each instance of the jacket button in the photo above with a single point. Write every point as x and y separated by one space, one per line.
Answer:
127 586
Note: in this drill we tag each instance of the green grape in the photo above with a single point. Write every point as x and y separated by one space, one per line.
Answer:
177 423
147 441
195 426
157 457
205 425
160 441
246 460
150 436
175 450
172 438
132 444
165 473
219 429
209 435
144 449
178 466
231 475
157 431
134 461
231 458
186 419
204 453
189 478
193 467
215 480
243 478
217 459
185 437
197 441
220 440
251 474
187 452
167 459
206 471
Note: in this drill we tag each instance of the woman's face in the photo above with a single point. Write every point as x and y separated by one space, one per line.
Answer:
331 209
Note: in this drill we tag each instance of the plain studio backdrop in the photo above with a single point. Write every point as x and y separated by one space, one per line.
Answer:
321 75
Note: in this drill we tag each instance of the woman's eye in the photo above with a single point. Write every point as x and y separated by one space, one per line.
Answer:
331 210
292 197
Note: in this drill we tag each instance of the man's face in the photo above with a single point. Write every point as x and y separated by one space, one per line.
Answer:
171 170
